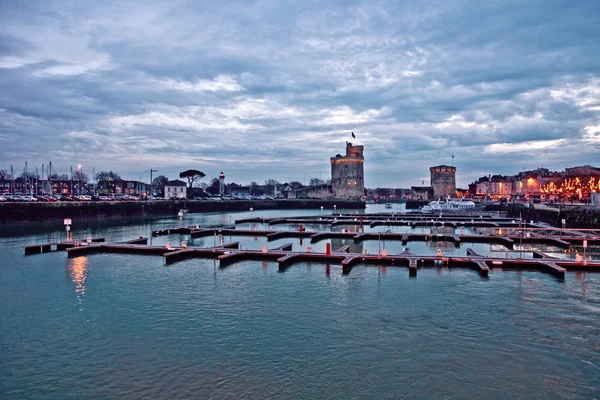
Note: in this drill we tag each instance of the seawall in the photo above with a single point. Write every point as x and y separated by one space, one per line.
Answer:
416 204
575 217
15 213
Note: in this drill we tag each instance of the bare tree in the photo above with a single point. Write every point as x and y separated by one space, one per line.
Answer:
158 184
316 182
107 176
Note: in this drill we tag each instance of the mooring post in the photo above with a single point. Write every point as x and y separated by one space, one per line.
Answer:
328 249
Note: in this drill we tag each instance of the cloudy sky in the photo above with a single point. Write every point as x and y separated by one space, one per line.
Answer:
272 89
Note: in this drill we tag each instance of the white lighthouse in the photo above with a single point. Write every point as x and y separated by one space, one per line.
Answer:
221 184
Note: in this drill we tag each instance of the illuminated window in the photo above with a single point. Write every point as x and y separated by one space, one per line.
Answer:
348 182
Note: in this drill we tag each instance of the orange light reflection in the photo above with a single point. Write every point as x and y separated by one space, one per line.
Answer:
77 268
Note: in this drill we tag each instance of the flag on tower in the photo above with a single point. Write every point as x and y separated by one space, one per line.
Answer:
353 135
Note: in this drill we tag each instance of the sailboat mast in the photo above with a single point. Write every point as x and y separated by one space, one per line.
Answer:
50 178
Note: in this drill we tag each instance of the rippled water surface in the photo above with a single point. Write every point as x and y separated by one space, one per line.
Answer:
122 326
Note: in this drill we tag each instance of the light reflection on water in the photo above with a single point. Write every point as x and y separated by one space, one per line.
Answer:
77 268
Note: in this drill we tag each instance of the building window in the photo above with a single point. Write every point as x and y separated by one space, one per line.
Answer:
181 190
168 189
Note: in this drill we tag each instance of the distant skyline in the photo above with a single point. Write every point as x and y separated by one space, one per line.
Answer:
271 89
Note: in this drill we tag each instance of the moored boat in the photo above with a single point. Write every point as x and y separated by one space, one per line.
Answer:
451 205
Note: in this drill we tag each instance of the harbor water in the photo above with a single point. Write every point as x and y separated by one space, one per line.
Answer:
127 326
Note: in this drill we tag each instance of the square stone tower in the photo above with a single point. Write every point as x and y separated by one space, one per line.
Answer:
443 181
348 175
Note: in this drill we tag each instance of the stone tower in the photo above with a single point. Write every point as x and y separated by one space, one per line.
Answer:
443 181
348 175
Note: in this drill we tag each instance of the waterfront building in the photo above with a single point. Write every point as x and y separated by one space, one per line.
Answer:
582 171
322 192
347 174
122 186
21 185
495 187
60 187
175 189
529 184
389 193
239 190
443 181
421 192
462 193
5 186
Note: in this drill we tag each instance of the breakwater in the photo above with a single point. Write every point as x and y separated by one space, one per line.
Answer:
14 213
575 217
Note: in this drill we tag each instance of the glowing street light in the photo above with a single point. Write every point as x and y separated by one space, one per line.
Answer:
80 176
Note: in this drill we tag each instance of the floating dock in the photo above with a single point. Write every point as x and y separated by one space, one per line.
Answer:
230 253
284 255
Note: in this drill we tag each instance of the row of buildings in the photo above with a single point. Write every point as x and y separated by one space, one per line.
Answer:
574 183
29 186
347 183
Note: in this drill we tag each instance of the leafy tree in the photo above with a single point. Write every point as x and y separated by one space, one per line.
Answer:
316 182
158 184
107 176
270 185
192 175
213 188
253 188
295 185
4 174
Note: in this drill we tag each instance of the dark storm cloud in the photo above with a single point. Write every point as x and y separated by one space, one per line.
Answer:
272 89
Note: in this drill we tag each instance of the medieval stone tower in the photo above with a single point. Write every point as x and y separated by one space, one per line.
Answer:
348 175
443 181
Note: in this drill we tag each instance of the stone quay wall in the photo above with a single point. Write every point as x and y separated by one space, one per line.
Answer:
15 213
575 217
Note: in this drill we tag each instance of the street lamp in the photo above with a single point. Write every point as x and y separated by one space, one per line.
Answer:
151 170
80 176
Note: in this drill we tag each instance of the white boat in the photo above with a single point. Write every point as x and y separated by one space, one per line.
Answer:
388 205
450 205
